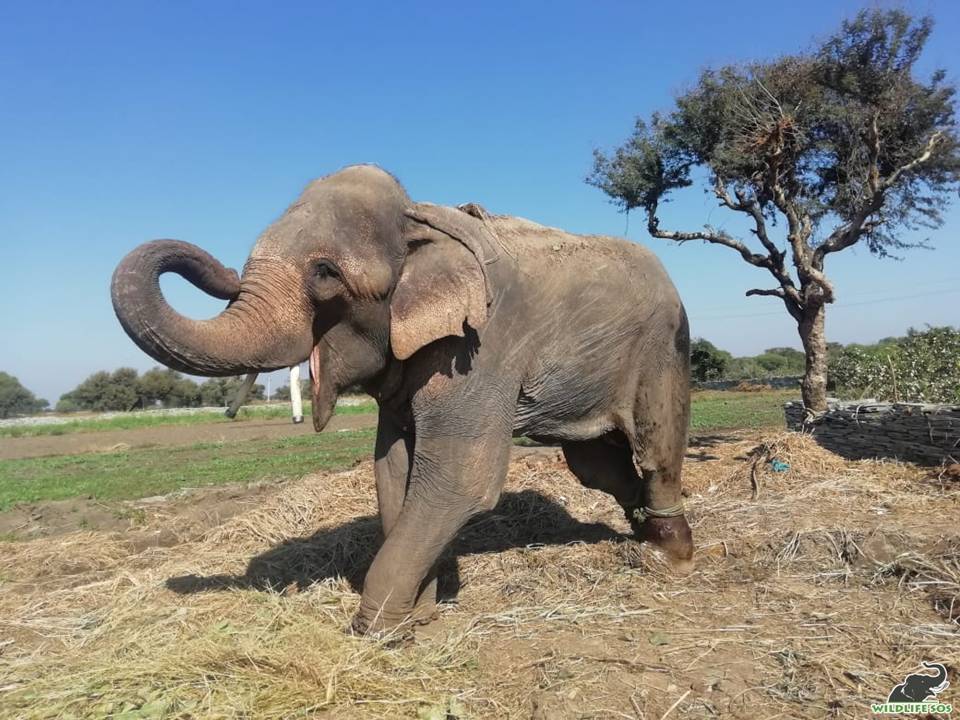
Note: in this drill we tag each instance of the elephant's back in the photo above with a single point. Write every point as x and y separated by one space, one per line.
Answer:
542 251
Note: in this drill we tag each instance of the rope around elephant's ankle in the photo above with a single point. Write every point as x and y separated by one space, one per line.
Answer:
640 514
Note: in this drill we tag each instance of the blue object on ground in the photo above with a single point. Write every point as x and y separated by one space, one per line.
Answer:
779 465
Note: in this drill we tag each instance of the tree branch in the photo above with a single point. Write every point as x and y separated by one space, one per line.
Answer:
799 228
773 292
849 233
773 262
873 135
717 238
791 300
892 178
749 205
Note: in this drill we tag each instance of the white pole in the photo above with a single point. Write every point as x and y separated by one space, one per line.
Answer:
295 400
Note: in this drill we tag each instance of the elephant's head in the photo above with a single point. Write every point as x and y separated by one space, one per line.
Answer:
350 275
916 687
933 683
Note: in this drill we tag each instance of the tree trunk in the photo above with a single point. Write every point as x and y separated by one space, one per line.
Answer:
814 339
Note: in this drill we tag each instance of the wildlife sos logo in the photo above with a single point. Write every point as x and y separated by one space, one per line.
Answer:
917 694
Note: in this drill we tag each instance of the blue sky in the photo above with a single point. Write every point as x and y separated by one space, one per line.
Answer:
126 121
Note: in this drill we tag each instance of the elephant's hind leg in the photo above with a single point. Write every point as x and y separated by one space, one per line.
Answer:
606 464
661 415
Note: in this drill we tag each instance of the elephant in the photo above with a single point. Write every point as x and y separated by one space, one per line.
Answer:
468 329
917 687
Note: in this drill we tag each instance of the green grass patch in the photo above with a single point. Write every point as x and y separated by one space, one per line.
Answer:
730 410
135 420
143 472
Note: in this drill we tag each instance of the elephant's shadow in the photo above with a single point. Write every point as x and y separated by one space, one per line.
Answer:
520 519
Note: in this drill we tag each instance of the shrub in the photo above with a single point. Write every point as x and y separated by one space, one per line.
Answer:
924 366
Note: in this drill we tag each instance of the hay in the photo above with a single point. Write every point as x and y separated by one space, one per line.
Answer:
810 601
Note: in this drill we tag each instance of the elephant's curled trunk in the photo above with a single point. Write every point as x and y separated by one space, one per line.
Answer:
941 672
259 330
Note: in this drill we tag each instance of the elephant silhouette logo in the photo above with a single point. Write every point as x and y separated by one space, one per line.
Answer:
917 694
917 687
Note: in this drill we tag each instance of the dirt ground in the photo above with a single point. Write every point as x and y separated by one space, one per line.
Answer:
75 443
811 600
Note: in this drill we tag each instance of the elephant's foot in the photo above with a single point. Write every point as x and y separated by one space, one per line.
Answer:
381 622
672 535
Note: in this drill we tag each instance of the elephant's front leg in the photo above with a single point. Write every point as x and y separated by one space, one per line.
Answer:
451 479
392 456
392 462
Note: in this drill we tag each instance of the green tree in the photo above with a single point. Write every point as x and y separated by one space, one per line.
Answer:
744 368
707 361
282 393
779 362
169 388
186 393
839 146
103 391
218 392
213 392
257 392
15 399
157 385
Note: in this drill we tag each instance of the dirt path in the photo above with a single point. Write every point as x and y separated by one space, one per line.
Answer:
74 443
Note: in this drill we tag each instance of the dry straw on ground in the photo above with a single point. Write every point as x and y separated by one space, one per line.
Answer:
811 601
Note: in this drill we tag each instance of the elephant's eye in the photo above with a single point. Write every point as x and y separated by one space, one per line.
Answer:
326 269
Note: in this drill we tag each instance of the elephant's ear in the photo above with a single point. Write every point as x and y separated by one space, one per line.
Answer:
442 287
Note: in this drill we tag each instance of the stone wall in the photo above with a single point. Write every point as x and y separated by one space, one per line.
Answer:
926 434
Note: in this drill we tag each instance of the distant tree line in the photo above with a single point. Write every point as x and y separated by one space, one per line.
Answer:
708 362
282 393
15 399
923 366
124 389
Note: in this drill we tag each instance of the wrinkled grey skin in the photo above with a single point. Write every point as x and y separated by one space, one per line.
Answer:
468 329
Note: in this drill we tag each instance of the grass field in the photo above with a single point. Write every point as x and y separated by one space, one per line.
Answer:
712 409
140 472
136 420
727 409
